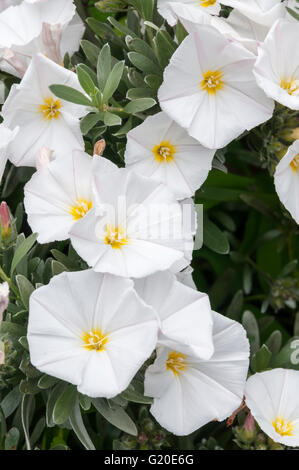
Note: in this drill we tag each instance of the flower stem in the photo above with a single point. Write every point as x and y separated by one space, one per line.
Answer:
5 278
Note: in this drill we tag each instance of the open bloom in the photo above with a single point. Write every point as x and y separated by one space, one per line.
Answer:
50 27
192 7
135 228
189 392
264 12
273 401
236 27
286 179
162 150
4 298
8 3
277 73
6 137
96 341
208 84
44 120
60 193
185 315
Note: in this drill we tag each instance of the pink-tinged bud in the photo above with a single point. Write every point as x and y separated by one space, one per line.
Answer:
2 354
43 157
5 217
15 60
51 36
99 147
249 424
4 298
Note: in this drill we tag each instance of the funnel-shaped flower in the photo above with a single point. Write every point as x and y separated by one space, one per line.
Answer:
277 73
50 27
44 120
286 179
208 84
162 150
91 330
184 314
273 400
60 193
135 228
189 392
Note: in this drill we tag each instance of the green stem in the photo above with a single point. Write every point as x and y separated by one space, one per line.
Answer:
255 297
5 278
258 269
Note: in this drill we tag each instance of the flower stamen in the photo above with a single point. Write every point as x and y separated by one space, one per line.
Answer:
291 86
207 3
50 108
95 340
295 163
283 427
176 362
80 209
164 152
115 237
212 81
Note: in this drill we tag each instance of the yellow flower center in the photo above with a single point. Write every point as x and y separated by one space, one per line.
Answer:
291 86
295 163
80 209
176 362
207 3
212 81
164 152
282 427
50 108
95 340
115 237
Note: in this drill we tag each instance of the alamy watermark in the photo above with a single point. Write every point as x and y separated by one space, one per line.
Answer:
171 224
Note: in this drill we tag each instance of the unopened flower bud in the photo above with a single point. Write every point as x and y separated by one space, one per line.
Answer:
6 222
99 147
51 36
15 60
43 157
249 427
142 438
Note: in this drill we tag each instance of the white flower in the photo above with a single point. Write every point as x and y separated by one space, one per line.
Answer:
50 27
189 392
135 228
43 157
91 330
185 277
6 137
276 69
236 27
193 7
44 120
60 193
162 150
207 86
286 179
272 398
184 314
4 298
8 3
264 12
